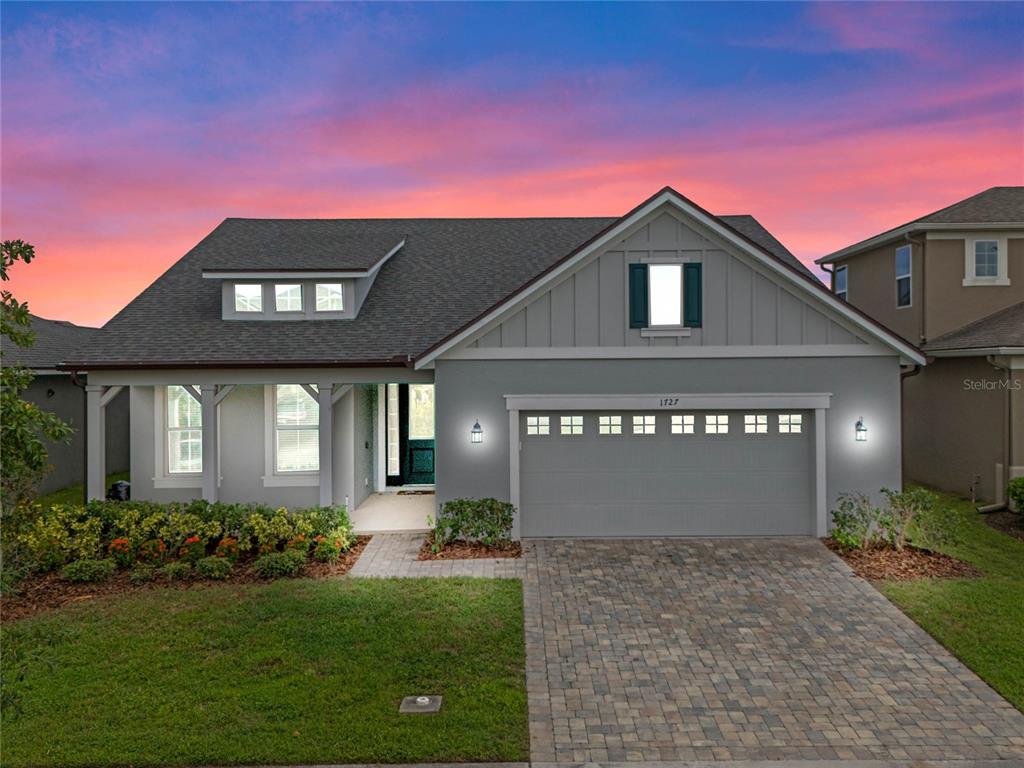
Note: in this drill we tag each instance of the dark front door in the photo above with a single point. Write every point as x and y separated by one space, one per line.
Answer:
415 417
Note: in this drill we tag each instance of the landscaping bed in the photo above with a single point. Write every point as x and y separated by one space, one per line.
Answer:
1010 523
472 529
885 564
467 550
50 591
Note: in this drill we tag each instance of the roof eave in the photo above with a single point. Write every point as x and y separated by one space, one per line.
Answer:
113 365
917 226
974 351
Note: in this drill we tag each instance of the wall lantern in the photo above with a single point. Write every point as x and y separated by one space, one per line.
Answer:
476 434
861 431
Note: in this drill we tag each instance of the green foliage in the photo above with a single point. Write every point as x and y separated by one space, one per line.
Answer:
914 511
905 508
1015 493
274 565
176 570
33 648
268 533
853 520
487 521
192 549
141 574
227 548
217 568
120 551
152 551
88 570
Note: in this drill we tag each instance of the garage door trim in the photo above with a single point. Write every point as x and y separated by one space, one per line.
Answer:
817 401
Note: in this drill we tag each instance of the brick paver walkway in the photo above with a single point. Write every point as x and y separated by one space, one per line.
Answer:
394 554
738 650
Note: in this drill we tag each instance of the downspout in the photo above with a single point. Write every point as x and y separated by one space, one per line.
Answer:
76 381
1007 434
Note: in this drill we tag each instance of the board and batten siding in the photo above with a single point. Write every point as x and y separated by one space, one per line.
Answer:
743 304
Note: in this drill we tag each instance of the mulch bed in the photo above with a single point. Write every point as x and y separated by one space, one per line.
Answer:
49 592
881 564
465 550
1010 523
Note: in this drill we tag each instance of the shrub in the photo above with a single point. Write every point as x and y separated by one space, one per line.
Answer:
487 521
152 551
268 533
217 568
227 548
1015 493
49 541
328 549
88 570
274 565
300 544
906 507
939 524
192 549
852 520
141 574
177 570
120 551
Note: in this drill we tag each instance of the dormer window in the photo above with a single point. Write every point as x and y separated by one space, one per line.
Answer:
666 294
248 297
330 297
288 297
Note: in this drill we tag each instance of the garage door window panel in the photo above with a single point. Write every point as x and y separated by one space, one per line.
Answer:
644 424
716 424
755 423
790 423
538 425
609 425
682 424
572 425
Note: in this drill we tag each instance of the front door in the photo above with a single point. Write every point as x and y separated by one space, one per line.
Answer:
410 420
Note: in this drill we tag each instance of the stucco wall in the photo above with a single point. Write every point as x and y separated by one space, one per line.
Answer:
871 287
474 390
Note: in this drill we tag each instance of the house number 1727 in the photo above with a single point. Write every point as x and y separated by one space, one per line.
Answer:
666 402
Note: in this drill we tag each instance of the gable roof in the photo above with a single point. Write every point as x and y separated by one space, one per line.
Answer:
1000 330
997 206
56 340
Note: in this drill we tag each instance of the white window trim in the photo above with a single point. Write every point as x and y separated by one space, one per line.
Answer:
844 295
162 478
302 298
909 277
1002 277
271 477
248 312
316 298
667 327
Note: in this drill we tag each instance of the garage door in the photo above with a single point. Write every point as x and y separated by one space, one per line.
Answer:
692 473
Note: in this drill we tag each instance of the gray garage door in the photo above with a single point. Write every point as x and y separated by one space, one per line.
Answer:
696 473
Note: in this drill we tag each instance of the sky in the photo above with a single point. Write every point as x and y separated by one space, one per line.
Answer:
129 131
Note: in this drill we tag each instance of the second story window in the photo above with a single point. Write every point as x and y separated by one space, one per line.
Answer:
248 298
329 297
839 282
666 294
986 258
903 276
288 297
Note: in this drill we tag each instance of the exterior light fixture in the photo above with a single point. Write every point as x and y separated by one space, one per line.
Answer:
476 434
861 431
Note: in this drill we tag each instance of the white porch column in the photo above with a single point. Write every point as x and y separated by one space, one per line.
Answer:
96 442
211 471
325 399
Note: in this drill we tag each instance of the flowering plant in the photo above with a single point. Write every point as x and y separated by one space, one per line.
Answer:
299 544
227 548
121 551
152 551
192 549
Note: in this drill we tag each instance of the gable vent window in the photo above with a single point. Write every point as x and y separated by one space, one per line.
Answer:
666 286
643 425
288 297
297 429
903 274
986 258
609 425
537 425
790 423
572 425
330 297
755 423
248 298
682 424
716 424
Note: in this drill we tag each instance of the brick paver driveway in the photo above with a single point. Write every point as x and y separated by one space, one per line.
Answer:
738 650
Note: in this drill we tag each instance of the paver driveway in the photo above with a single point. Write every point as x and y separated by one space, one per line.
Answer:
738 650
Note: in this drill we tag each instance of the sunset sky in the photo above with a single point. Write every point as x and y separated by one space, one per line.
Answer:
129 131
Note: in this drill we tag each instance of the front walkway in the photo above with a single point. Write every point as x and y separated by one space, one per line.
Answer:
394 554
393 512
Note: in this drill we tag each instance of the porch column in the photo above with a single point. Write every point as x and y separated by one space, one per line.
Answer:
325 399
96 443
211 471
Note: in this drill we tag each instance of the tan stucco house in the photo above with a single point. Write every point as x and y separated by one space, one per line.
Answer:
952 282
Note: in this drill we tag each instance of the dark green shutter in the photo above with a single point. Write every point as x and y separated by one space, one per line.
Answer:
637 295
692 310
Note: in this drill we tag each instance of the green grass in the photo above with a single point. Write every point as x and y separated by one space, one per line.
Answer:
980 620
296 671
74 494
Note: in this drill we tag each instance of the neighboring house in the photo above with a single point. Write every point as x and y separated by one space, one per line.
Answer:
55 391
669 372
953 282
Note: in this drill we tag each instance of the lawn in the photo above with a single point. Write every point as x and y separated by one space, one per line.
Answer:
296 671
76 493
979 620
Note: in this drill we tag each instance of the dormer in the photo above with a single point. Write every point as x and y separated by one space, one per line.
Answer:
298 293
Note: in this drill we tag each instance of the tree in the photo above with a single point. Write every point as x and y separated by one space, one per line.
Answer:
23 425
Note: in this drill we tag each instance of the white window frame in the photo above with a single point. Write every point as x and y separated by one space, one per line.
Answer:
650 294
168 429
609 424
683 424
161 477
571 424
909 276
1002 276
716 424
843 294
791 423
277 299
340 297
755 423
645 424
271 477
538 426
234 298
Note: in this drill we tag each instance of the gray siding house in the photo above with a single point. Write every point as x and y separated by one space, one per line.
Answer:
666 373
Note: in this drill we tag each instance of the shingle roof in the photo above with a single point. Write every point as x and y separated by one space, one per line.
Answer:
1004 328
56 340
447 273
998 205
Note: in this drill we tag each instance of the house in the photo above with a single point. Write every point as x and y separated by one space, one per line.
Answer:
58 392
952 281
667 372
